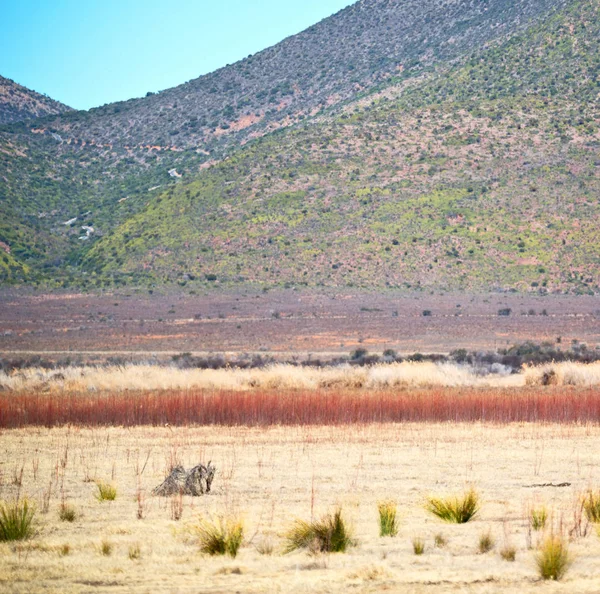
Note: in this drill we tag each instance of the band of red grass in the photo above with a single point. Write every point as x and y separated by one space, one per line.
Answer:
330 407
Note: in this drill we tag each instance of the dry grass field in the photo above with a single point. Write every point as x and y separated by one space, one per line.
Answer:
271 476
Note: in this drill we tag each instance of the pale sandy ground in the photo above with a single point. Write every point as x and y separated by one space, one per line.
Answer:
272 476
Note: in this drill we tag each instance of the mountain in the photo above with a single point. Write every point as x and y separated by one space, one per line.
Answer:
18 103
467 159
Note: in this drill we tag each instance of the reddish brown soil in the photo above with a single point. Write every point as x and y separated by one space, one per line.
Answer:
327 322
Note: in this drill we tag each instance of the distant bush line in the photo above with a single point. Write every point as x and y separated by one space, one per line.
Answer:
514 357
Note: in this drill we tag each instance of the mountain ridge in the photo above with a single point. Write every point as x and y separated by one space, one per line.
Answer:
18 103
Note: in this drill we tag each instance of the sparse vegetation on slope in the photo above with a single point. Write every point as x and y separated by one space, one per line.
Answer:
434 189
18 103
467 176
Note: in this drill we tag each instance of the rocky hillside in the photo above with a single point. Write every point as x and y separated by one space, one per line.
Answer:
483 176
18 103
441 144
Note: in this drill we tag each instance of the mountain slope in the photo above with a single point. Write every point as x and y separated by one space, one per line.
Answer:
381 170
17 103
100 167
485 175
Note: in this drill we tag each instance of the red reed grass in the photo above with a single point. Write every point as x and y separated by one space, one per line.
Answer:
328 407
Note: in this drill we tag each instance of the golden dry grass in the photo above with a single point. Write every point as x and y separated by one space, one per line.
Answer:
563 374
269 477
154 377
289 377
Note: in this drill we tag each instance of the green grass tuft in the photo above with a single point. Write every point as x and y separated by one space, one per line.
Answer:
538 518
486 542
331 534
388 522
455 510
223 537
67 512
16 520
591 505
418 545
553 559
106 492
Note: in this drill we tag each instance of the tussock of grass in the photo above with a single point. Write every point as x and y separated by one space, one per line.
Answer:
566 373
538 518
64 550
440 540
67 512
16 520
265 546
134 552
553 558
508 553
591 506
388 522
455 510
331 534
418 545
106 548
486 542
221 537
106 492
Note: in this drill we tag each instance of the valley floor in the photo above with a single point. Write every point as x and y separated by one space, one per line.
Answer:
286 323
272 476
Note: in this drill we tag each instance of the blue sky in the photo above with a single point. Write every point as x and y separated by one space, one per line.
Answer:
89 52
